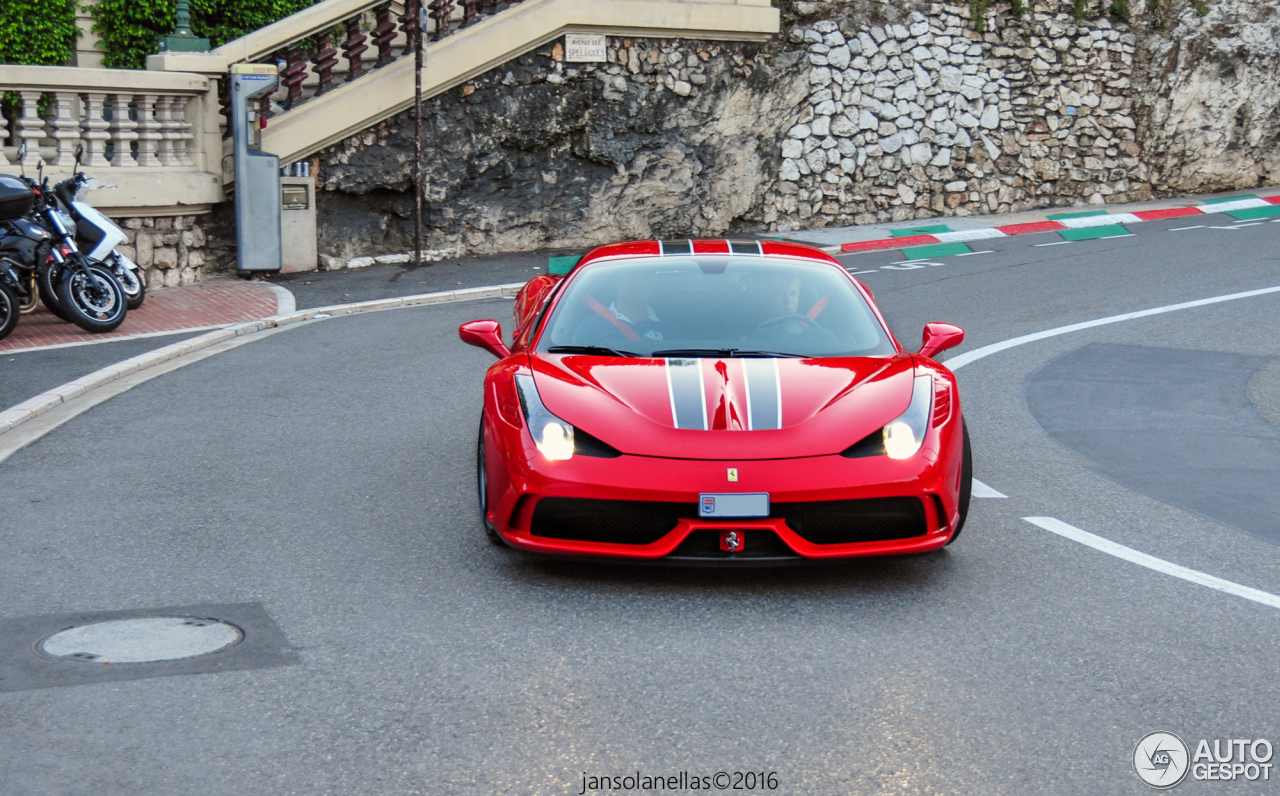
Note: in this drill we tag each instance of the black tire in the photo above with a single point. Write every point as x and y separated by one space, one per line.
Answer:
97 306
49 292
482 490
135 287
9 310
966 482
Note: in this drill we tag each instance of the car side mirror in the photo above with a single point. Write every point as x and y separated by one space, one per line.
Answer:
486 335
938 337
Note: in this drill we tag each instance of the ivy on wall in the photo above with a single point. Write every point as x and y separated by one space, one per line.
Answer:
130 30
37 31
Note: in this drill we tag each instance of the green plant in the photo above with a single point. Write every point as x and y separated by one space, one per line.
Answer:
130 30
1018 8
1119 10
1078 9
37 31
977 14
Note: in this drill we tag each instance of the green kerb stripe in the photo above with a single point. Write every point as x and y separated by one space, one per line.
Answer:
1092 233
1220 199
559 266
907 233
1083 214
935 250
1256 212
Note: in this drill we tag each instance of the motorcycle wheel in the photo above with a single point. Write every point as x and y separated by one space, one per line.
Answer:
9 311
49 292
95 305
33 297
135 290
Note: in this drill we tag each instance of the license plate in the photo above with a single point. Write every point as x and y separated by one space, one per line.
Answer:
734 504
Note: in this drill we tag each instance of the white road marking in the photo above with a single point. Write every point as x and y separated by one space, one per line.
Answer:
981 490
855 273
1180 229
1055 243
1151 562
959 361
902 267
1239 226
970 254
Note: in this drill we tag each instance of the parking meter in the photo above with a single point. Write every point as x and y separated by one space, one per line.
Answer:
257 172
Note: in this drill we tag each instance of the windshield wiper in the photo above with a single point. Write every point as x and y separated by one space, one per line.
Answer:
722 352
596 350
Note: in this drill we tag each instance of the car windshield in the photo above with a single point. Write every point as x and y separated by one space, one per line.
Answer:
713 306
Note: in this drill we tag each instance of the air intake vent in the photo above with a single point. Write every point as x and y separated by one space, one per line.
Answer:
635 522
941 401
847 521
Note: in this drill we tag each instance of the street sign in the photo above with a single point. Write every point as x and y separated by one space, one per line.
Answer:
585 48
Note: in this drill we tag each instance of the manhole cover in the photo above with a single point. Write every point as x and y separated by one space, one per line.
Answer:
150 640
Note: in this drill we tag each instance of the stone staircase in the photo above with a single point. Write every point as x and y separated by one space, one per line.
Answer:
155 141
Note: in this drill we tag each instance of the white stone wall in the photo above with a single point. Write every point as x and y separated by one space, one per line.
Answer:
927 116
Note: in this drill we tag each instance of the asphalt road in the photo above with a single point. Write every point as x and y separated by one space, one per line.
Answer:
325 474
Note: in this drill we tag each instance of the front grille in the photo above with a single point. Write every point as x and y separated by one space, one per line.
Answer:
756 543
634 522
846 521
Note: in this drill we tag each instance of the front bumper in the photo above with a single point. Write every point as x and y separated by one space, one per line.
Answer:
932 477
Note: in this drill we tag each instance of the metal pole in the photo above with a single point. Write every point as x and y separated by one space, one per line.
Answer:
417 133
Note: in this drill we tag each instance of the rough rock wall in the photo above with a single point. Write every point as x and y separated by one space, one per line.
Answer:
856 112
1210 116
669 137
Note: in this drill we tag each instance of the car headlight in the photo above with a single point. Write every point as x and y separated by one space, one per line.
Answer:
552 436
904 435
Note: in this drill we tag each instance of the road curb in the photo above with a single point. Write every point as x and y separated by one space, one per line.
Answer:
31 408
1052 225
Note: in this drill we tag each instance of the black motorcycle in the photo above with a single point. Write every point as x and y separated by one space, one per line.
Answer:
73 287
19 243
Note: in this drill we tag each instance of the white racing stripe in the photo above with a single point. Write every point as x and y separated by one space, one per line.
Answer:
1151 562
960 360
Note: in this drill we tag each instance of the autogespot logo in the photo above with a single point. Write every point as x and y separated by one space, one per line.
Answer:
1160 759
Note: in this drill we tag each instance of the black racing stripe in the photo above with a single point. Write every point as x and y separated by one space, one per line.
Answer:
684 381
745 247
763 406
676 247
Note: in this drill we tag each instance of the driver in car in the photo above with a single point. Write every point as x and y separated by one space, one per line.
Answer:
628 318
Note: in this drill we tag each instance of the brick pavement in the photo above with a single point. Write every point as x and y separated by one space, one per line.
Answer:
217 302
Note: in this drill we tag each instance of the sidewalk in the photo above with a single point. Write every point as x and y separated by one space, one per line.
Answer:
211 304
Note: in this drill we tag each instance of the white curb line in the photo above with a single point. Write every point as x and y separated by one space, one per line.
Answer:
34 407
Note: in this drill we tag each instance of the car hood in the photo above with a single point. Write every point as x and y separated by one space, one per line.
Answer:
725 409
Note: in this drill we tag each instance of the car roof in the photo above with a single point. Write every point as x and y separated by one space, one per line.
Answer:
712 246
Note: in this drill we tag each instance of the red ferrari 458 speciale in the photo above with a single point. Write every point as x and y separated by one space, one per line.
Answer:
716 400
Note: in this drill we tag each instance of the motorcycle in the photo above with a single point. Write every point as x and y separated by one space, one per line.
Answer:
98 236
16 200
71 285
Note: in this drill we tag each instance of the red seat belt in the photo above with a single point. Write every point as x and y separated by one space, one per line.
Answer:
817 308
611 317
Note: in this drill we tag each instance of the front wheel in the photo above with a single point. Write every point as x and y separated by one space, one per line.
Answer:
46 279
95 301
9 310
135 290
482 487
966 482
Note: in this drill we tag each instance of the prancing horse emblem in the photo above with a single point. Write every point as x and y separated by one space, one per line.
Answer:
731 541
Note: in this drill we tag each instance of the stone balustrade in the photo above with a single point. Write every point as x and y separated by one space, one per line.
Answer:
145 135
